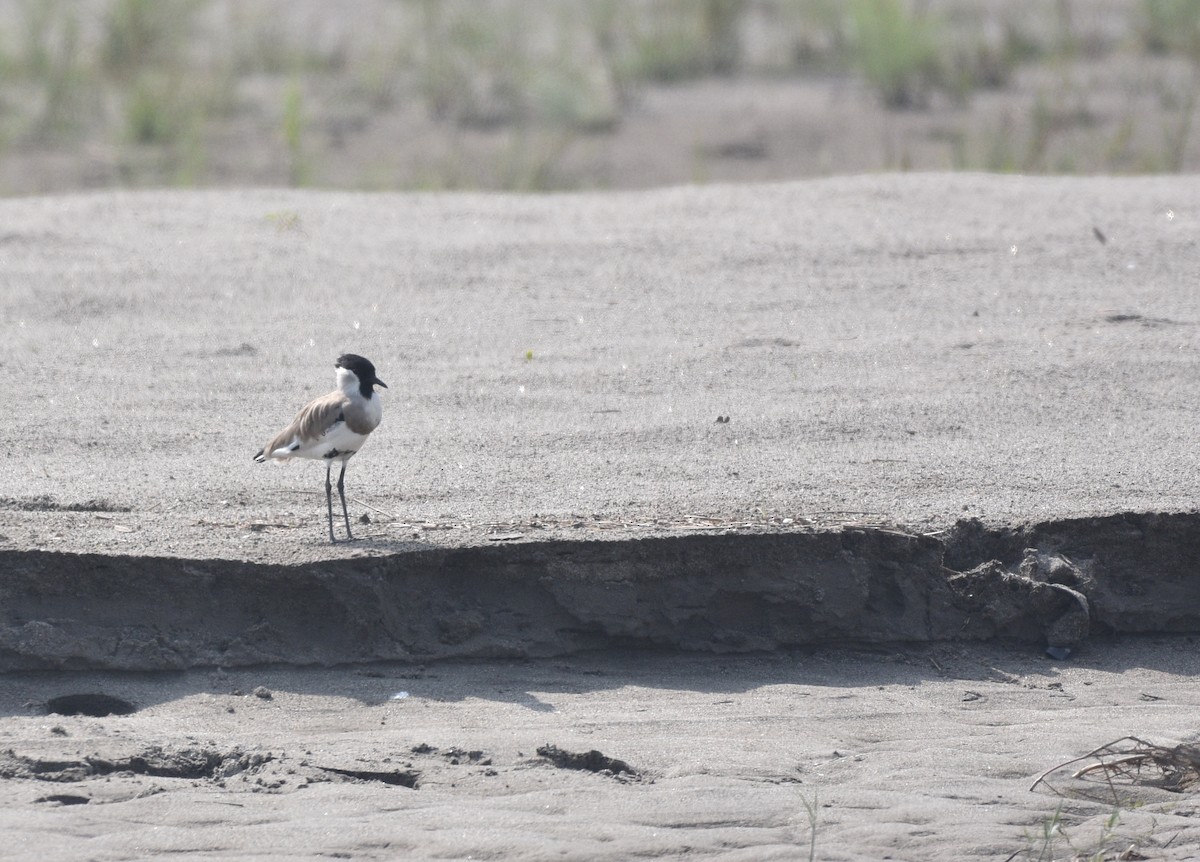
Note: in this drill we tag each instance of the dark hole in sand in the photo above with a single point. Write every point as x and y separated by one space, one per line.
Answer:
65 799
401 778
96 705
191 763
588 761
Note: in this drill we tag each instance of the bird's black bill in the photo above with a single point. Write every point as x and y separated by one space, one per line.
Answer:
379 382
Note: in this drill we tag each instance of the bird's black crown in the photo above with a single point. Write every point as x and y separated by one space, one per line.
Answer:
363 370
360 365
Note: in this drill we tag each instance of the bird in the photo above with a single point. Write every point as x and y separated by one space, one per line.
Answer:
333 427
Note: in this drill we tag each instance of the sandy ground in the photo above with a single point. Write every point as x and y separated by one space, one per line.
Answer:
905 350
910 755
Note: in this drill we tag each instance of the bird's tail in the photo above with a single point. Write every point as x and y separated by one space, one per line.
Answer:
260 457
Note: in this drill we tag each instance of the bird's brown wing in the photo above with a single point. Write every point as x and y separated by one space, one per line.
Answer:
310 424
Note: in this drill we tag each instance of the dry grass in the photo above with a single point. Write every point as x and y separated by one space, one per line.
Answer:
1107 773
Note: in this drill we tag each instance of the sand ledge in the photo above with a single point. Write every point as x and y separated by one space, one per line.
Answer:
1053 583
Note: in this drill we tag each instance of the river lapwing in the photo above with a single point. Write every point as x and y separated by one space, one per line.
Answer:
333 427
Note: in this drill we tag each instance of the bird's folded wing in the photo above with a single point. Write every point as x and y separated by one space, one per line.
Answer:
310 424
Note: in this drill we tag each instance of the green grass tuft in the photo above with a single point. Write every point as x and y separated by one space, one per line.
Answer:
1171 26
897 51
299 171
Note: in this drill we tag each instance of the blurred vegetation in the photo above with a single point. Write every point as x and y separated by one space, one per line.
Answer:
897 50
1171 26
509 93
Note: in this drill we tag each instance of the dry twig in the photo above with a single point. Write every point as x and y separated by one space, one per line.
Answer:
1132 762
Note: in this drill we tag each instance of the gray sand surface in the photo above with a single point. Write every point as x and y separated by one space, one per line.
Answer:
912 348
891 350
913 755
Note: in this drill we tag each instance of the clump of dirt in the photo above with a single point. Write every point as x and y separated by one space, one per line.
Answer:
587 761
65 799
47 503
454 755
193 763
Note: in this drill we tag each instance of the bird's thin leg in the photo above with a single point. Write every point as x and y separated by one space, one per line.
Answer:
329 500
342 494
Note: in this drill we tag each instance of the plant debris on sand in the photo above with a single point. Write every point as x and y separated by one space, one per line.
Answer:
1128 762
